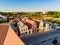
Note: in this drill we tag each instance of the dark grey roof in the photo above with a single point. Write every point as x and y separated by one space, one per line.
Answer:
28 40
14 27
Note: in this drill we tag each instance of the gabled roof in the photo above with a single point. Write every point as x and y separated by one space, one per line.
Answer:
12 38
30 21
8 36
20 23
37 22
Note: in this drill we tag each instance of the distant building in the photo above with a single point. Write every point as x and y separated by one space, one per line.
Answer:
3 18
54 26
47 26
11 18
23 28
31 24
40 25
27 26
43 25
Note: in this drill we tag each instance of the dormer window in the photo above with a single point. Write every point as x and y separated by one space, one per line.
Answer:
25 32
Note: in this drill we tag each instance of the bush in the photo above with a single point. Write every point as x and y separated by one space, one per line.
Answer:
30 18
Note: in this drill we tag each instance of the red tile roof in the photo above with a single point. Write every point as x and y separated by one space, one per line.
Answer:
28 20
12 38
3 32
20 23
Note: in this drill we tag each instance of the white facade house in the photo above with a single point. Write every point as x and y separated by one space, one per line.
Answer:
48 26
28 25
23 28
54 26
45 26
41 25
29 31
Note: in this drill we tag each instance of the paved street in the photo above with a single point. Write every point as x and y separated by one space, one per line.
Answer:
42 38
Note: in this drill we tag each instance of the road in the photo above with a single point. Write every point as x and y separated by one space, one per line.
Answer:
44 38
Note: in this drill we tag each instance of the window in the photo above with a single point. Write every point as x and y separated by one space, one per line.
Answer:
29 32
33 31
26 29
21 33
25 32
37 30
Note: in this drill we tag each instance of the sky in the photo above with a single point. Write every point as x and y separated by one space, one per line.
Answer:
29 5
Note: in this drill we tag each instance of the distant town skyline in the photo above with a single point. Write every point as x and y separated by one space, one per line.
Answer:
29 5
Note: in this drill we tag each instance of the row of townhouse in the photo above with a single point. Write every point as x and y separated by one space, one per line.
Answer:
27 26
43 26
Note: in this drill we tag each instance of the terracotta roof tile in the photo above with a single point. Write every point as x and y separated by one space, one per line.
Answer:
30 21
3 32
20 23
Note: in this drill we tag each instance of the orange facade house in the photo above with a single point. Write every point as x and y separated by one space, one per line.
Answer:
9 37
